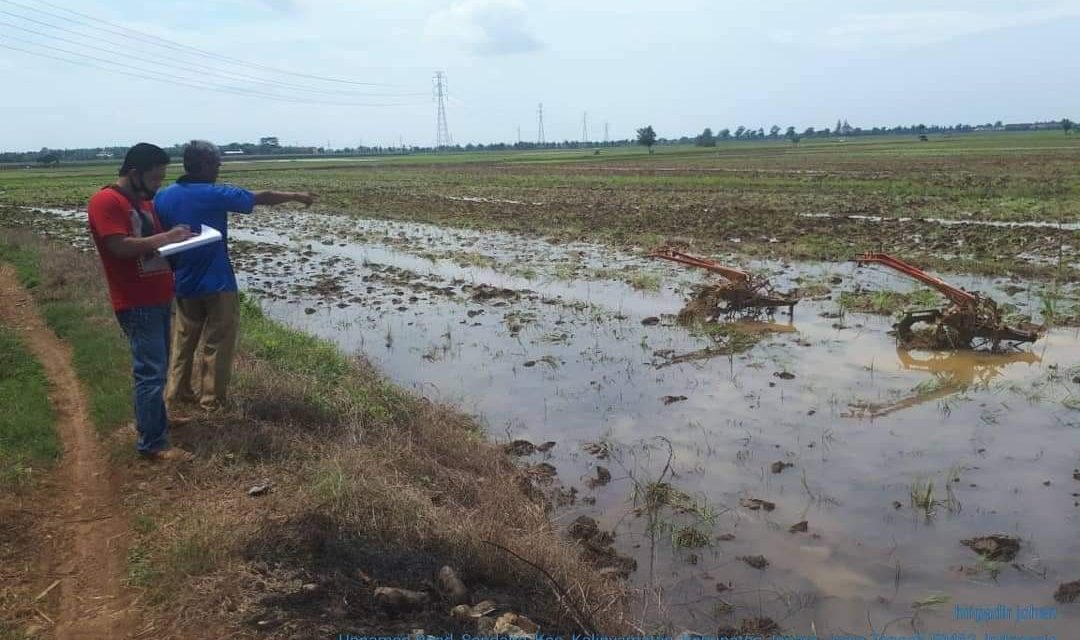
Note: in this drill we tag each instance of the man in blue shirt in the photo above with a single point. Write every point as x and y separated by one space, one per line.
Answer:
207 307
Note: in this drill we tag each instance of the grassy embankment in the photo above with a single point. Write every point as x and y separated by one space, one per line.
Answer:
370 486
27 429
83 318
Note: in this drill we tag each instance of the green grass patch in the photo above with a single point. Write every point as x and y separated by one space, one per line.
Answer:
688 537
331 374
140 570
289 350
101 357
470 259
27 423
25 261
644 281
888 302
74 310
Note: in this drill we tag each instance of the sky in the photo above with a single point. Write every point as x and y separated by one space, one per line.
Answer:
350 72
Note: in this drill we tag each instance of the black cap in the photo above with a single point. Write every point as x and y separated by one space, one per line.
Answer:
143 157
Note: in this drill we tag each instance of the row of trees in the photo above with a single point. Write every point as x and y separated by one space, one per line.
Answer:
843 129
646 136
51 157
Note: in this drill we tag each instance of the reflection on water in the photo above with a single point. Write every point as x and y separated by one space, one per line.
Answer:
761 326
951 372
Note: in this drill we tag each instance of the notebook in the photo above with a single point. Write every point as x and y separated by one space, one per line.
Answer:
206 236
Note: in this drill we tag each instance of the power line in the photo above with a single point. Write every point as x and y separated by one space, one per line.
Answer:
146 38
540 124
186 81
442 131
194 67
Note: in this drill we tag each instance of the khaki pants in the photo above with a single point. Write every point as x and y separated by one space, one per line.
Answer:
204 331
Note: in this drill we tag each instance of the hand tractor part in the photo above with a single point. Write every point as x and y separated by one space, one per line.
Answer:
970 320
738 292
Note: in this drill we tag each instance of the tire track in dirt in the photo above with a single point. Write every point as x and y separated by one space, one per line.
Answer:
88 555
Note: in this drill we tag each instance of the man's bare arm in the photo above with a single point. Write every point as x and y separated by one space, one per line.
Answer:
279 197
132 247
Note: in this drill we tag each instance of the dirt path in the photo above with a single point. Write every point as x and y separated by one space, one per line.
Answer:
88 555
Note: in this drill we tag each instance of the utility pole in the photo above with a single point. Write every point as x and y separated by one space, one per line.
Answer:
540 124
442 131
585 128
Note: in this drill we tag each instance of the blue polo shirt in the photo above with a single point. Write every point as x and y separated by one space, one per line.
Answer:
203 270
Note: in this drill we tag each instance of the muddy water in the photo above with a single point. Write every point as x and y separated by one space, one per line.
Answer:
547 342
1002 224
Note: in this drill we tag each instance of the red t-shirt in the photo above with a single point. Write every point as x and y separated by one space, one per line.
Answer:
133 282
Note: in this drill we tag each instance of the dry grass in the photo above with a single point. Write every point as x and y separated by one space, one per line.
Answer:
376 488
24 547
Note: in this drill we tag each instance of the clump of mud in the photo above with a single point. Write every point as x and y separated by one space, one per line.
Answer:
996 547
598 549
1068 592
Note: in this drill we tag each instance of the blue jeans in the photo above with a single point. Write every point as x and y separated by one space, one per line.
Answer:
147 331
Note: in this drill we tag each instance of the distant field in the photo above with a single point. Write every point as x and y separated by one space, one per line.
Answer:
754 198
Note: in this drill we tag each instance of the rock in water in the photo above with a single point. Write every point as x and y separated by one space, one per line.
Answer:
757 562
520 448
780 465
755 504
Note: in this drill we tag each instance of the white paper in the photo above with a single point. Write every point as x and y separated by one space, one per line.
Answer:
206 236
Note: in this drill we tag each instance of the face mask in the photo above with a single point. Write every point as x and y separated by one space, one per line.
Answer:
140 186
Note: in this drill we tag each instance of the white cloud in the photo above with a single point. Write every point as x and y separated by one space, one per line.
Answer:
486 27
920 28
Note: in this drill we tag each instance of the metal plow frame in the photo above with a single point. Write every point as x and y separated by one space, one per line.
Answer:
971 317
740 291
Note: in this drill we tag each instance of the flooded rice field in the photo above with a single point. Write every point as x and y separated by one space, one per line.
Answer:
801 468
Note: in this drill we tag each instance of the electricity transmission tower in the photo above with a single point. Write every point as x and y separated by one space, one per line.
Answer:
605 132
442 131
585 128
540 124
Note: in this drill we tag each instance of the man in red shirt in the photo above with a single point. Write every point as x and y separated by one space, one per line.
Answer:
128 234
